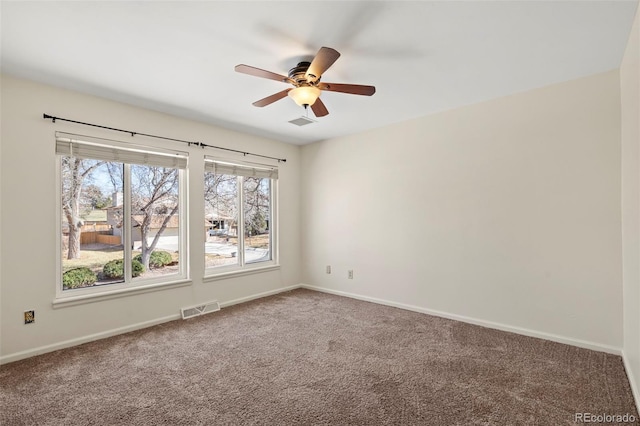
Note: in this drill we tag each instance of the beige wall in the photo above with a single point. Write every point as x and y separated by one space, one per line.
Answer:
630 97
28 189
504 213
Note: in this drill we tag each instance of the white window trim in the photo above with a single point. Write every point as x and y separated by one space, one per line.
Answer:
229 271
80 299
241 272
77 296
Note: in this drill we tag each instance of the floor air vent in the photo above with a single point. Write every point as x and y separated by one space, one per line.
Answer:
205 308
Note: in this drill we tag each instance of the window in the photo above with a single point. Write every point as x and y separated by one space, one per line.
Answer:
240 225
119 202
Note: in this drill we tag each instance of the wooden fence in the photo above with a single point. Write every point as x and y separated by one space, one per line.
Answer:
97 237
95 227
112 240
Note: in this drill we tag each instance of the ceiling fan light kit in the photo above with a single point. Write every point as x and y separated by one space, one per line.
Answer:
305 77
305 95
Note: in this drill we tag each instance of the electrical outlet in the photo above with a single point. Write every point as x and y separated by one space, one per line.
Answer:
328 269
350 274
29 317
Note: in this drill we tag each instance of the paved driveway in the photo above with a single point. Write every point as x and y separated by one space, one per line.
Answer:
220 248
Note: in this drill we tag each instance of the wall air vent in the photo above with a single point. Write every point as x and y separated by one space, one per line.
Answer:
302 121
195 311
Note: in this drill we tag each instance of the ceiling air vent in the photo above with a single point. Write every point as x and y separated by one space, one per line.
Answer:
205 308
302 121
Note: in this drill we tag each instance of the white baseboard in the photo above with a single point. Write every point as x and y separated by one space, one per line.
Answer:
84 339
121 330
258 296
518 330
632 382
489 324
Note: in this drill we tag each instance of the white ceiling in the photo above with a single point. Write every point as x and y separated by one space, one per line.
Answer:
422 56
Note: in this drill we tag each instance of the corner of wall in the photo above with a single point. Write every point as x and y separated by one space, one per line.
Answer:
632 383
1 168
630 201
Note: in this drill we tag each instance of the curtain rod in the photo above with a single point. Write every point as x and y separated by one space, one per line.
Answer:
200 144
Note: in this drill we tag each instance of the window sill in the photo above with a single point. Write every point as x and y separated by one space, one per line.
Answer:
63 302
240 273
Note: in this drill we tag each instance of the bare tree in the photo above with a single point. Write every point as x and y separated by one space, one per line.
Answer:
92 197
154 193
220 195
75 172
256 213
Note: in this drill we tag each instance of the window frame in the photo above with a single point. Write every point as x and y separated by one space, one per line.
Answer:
242 267
80 295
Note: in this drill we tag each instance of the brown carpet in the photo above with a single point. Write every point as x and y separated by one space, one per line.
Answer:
310 358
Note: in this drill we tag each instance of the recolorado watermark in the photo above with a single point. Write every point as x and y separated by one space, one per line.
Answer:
604 418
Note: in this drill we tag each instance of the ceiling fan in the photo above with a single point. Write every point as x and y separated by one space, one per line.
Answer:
305 77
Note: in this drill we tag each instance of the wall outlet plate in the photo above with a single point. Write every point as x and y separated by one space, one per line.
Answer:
328 269
29 317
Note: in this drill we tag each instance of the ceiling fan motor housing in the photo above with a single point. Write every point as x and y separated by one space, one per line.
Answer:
298 73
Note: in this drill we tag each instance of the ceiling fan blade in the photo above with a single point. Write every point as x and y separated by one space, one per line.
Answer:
271 99
324 59
319 109
257 72
354 89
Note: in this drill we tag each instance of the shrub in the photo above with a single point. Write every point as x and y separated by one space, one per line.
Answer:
157 258
114 268
78 277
